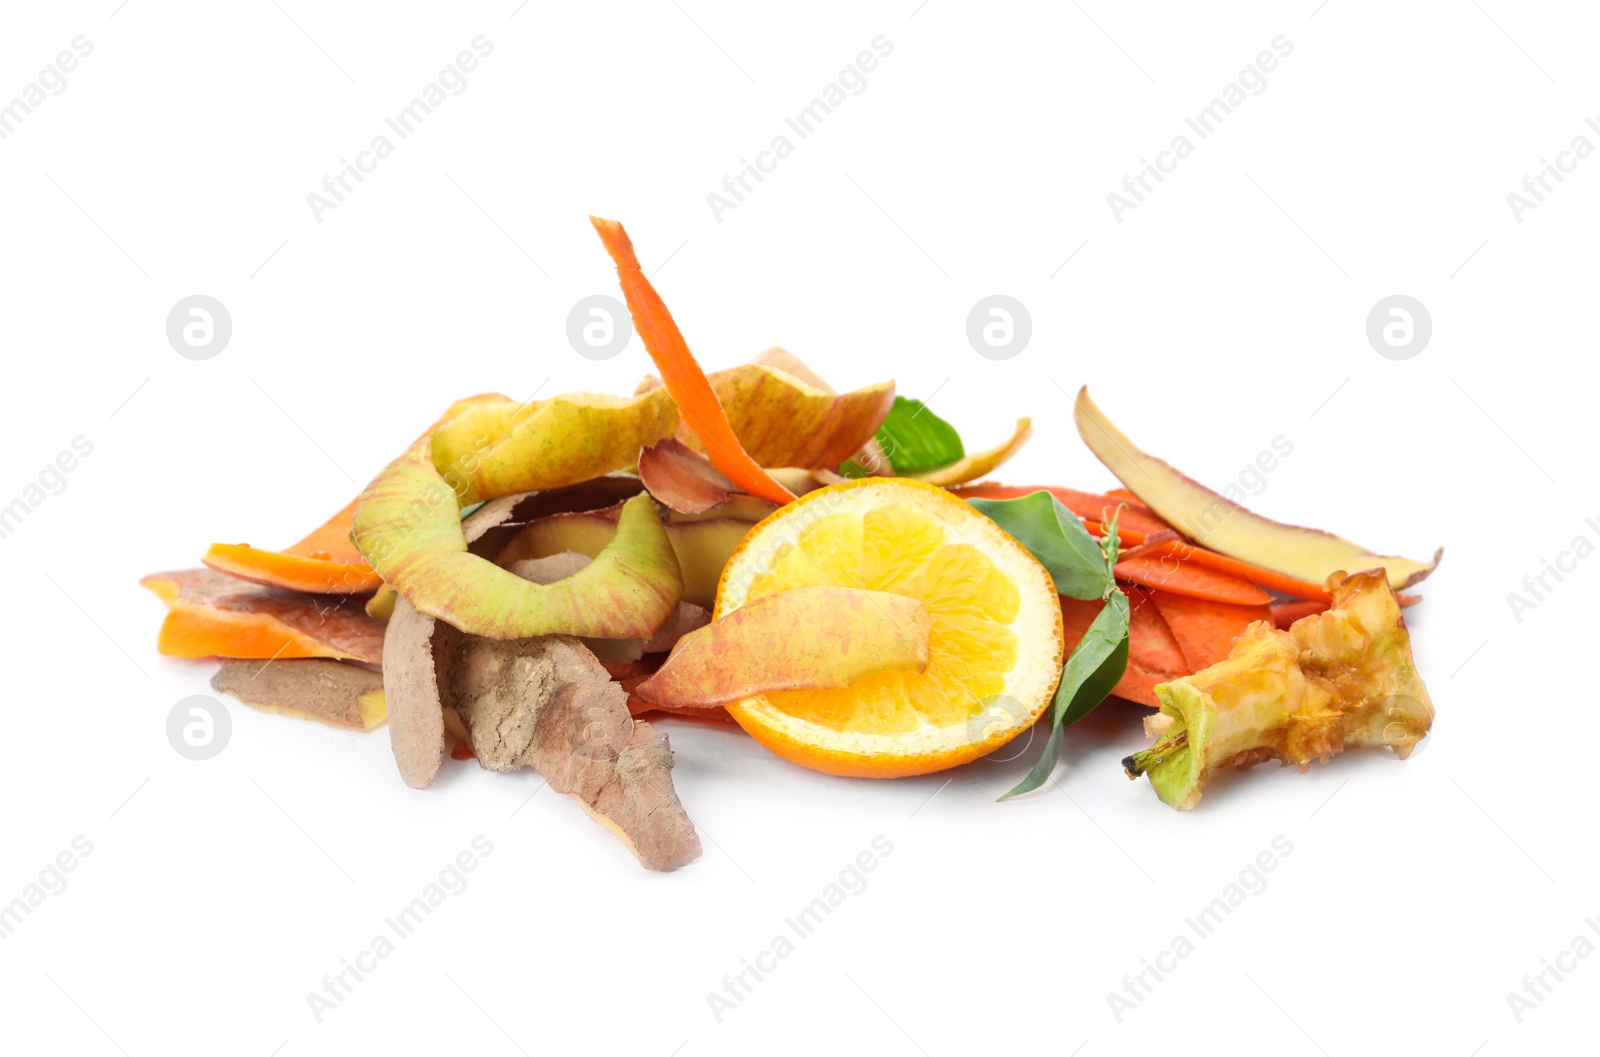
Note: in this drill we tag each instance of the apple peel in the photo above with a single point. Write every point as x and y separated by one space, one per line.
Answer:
805 638
684 619
1222 525
682 478
500 448
782 417
783 420
702 543
408 526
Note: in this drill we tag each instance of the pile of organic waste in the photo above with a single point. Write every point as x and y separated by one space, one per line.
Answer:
529 579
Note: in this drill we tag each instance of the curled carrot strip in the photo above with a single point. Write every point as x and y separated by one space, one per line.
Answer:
1166 571
1188 552
684 379
1284 585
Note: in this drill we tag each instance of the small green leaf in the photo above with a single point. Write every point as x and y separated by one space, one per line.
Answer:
916 439
1093 669
1057 538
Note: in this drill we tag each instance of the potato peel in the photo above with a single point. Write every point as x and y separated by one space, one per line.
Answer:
411 690
330 692
546 703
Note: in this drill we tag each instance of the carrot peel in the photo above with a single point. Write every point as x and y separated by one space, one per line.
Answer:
681 374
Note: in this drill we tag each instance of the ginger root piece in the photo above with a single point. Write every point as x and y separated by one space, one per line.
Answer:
805 638
546 703
330 692
212 615
1335 680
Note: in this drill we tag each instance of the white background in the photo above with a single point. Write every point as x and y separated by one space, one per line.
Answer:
1226 310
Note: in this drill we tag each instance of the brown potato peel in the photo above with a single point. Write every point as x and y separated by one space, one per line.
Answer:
546 703
331 692
411 686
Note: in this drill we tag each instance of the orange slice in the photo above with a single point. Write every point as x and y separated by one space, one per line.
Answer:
995 645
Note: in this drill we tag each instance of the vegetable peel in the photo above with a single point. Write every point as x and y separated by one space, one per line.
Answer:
213 615
546 703
325 561
331 692
680 374
1222 525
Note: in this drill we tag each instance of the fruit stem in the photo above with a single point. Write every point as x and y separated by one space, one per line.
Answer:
1159 753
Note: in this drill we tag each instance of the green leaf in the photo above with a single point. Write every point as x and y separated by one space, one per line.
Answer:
916 439
1058 539
1093 669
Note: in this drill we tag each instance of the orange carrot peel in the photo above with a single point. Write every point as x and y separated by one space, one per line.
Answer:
685 381
324 563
